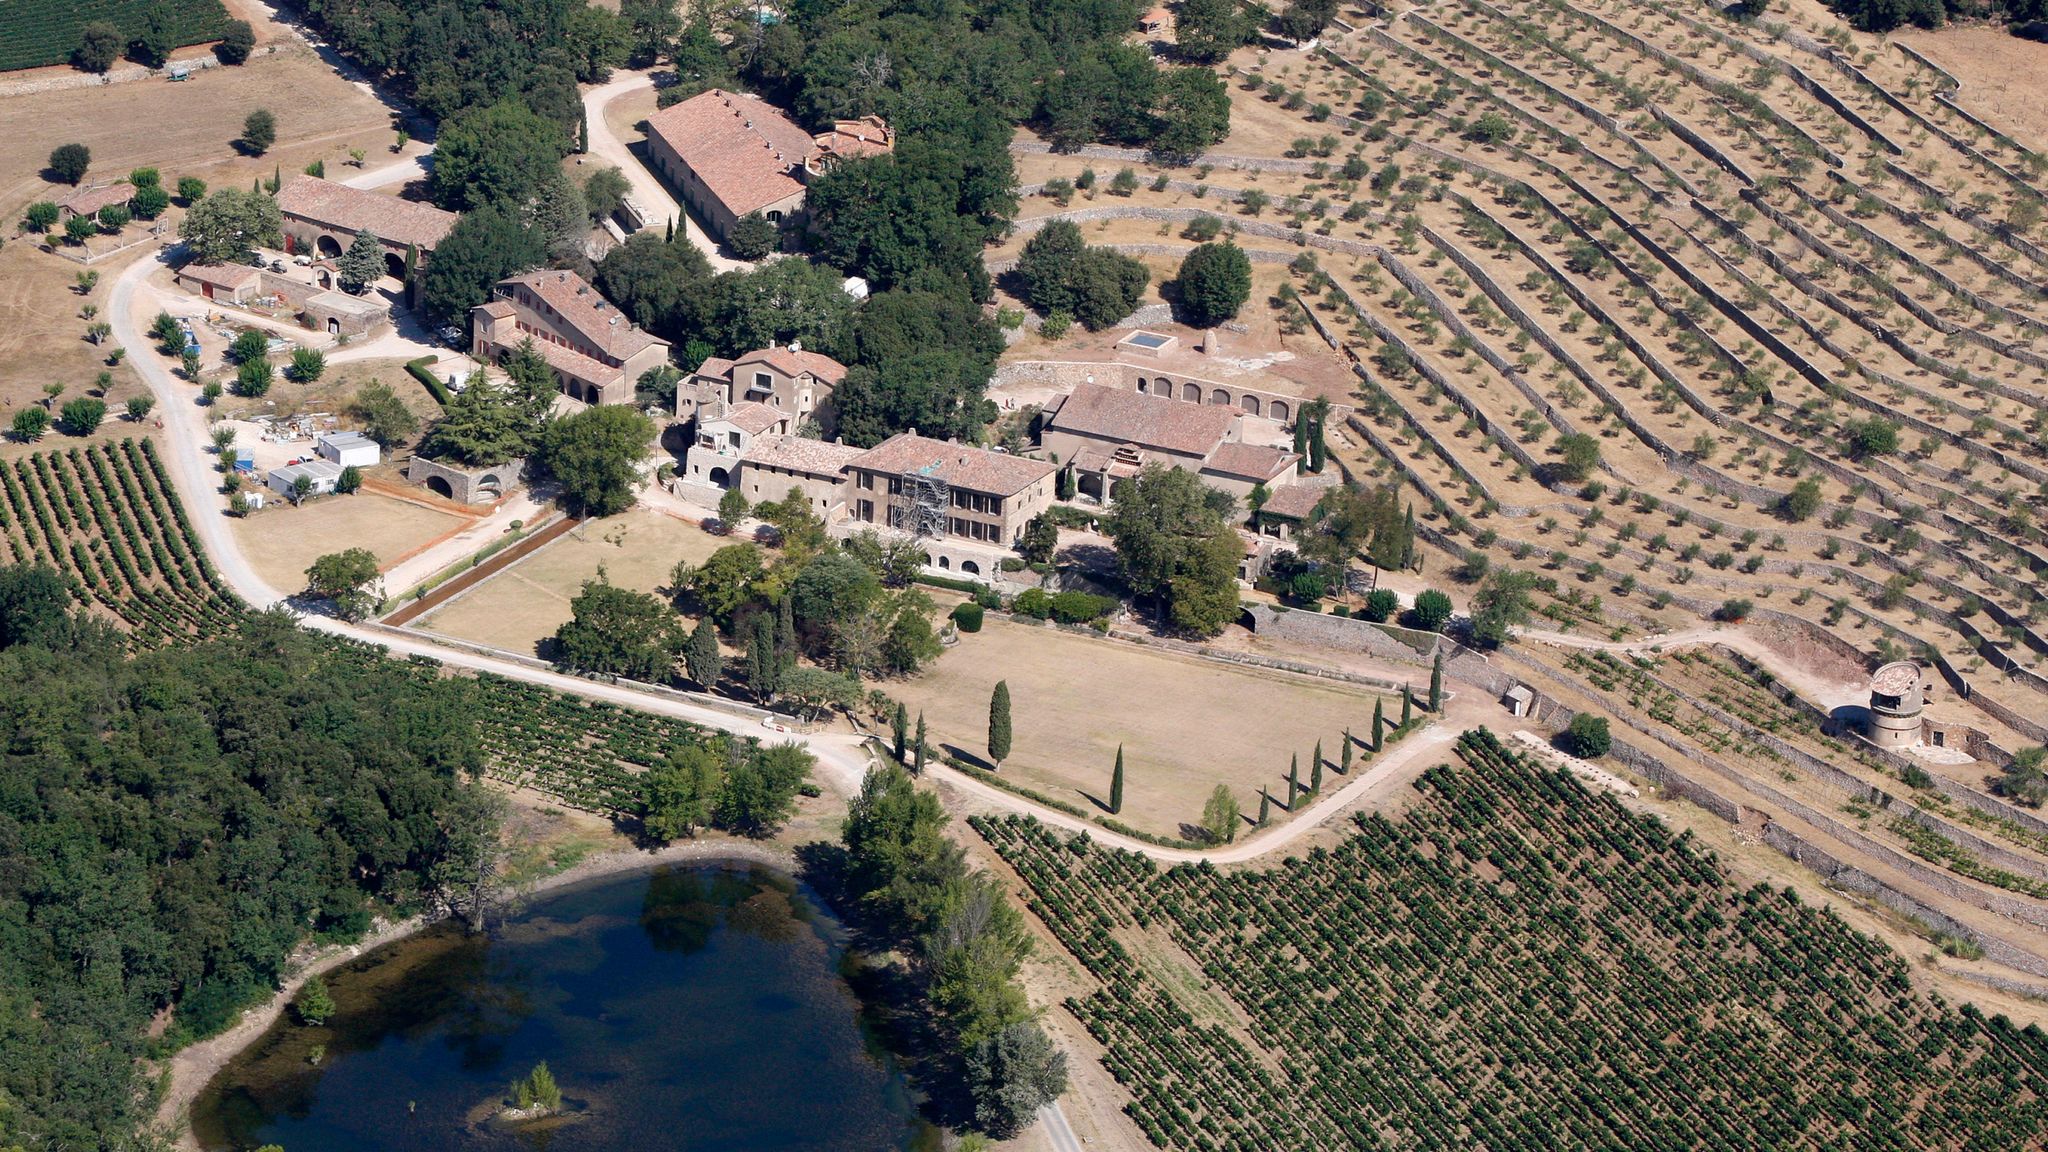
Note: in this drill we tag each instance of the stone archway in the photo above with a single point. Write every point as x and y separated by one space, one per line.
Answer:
720 477
1191 392
1278 410
1249 403
439 487
328 247
970 568
333 326
1219 396
1144 385
946 562
489 486
394 266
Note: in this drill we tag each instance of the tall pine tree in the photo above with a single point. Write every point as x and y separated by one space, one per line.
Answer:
999 724
1116 784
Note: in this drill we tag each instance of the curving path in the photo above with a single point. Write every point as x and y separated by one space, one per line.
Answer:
648 190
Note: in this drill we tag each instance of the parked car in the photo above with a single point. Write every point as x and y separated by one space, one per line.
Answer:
451 336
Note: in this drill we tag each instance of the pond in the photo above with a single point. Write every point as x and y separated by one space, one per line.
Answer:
695 1007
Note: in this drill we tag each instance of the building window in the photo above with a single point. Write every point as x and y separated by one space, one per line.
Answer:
763 382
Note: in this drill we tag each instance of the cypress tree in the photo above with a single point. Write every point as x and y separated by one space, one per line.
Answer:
999 723
1408 540
1315 772
762 665
899 727
671 229
1265 806
1436 683
1116 784
917 768
785 639
1293 780
1317 450
701 656
1301 441
1407 705
1345 767
1379 725
583 132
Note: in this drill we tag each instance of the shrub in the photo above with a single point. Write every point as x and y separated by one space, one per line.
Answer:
1734 610
1033 602
41 216
1586 736
1380 605
1080 607
967 616
1431 612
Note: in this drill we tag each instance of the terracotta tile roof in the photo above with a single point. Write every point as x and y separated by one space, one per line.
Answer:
961 465
1146 421
347 209
233 277
800 454
716 367
570 362
745 150
88 201
498 309
794 362
750 417
584 310
1294 501
1260 462
848 139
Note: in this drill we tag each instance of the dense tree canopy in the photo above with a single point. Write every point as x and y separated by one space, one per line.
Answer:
494 155
1176 546
173 824
595 455
484 247
228 225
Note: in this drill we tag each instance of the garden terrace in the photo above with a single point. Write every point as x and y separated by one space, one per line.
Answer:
1513 961
103 516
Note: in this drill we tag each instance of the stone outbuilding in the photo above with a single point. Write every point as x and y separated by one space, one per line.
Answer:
481 485
340 314
222 283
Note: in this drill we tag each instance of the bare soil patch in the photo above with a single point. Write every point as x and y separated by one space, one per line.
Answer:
281 541
2000 73
1185 724
188 129
522 606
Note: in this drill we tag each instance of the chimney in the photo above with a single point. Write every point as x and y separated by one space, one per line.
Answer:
796 345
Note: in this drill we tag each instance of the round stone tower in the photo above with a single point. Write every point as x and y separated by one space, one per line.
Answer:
1895 703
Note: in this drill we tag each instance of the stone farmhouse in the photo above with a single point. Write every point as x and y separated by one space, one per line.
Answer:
723 437
1107 434
321 219
773 464
595 352
730 155
945 490
790 380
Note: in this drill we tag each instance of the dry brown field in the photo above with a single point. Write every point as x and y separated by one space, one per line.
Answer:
42 341
523 605
188 129
1186 724
282 541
